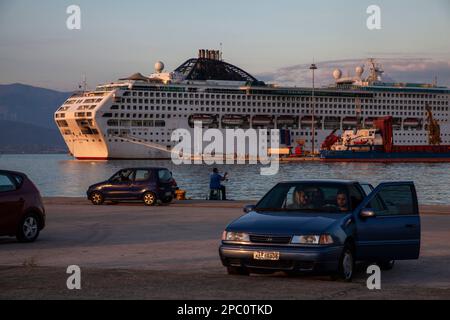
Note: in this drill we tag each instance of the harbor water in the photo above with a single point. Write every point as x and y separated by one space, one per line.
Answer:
61 175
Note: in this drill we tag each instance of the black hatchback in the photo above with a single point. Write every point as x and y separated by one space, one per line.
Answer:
145 184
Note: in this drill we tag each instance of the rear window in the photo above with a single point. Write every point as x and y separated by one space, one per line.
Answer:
6 184
142 175
164 175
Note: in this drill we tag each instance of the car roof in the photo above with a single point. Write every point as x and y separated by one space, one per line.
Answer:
340 181
12 172
145 168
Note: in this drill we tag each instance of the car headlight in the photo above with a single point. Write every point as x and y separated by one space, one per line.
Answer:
235 236
312 239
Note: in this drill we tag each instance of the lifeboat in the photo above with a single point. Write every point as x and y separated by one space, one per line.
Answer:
307 120
287 120
234 120
206 119
262 120
411 122
349 121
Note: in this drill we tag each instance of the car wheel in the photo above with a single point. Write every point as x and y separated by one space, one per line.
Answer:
97 198
386 264
237 271
149 198
28 228
346 264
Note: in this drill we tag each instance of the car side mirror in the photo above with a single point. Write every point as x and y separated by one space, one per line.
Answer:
249 208
367 213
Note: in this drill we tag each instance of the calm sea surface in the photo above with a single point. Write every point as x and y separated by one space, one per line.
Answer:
60 175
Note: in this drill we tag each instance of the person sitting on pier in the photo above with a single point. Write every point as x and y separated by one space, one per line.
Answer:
215 183
341 200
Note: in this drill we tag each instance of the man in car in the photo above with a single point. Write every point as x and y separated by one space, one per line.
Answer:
341 200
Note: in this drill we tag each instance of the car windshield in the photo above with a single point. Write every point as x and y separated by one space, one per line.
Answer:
306 197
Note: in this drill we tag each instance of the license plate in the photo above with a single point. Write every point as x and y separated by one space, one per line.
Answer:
168 194
265 255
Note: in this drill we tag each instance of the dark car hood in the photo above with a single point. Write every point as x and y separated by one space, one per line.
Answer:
286 223
99 184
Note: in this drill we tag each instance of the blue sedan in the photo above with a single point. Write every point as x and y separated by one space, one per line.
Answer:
324 226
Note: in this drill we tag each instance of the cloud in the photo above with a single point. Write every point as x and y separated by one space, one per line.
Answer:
399 69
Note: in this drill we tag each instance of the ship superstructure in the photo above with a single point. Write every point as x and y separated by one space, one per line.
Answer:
134 117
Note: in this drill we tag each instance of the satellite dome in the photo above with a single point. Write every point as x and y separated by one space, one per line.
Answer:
337 74
359 71
159 66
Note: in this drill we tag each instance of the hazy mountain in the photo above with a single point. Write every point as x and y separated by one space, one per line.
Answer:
26 119
19 102
20 137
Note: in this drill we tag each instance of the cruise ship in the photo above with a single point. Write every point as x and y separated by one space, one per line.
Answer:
134 117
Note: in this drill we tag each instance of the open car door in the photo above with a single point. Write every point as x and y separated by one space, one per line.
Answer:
388 223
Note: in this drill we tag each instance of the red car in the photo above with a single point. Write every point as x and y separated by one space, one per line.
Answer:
22 213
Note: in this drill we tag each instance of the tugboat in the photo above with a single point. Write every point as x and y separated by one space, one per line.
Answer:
376 145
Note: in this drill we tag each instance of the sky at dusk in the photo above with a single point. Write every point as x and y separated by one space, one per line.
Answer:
273 40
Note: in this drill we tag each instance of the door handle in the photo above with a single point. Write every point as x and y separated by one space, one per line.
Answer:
410 225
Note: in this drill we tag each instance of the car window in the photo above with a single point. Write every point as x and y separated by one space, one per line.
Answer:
142 175
312 197
367 188
18 179
356 197
394 200
164 175
122 176
377 205
6 184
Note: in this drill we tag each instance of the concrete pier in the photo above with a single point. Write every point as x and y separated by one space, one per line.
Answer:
171 252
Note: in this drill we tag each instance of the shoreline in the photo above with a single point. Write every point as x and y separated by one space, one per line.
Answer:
425 209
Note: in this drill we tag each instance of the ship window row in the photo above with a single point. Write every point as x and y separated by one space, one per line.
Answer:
83 114
137 115
110 132
233 97
74 101
279 111
244 96
270 104
60 115
410 95
136 123
86 107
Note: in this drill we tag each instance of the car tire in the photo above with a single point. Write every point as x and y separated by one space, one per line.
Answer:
346 267
28 230
386 264
97 198
237 271
149 198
